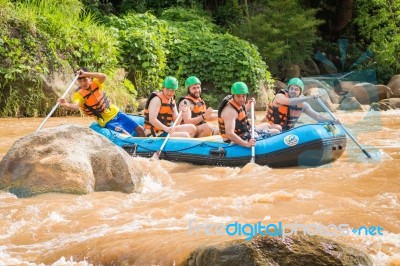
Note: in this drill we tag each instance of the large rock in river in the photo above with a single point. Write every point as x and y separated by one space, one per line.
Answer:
68 159
295 250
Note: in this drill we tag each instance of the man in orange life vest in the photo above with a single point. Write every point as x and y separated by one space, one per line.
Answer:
93 101
287 106
199 114
232 119
160 112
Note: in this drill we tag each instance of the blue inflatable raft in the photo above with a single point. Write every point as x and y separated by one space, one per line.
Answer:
306 145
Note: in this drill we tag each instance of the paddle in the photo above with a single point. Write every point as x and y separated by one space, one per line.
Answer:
345 130
253 148
158 153
58 103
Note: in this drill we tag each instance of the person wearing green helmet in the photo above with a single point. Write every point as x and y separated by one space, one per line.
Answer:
160 113
287 106
199 114
232 118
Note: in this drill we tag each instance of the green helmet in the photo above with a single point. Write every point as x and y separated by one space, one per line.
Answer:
297 82
170 83
239 88
191 81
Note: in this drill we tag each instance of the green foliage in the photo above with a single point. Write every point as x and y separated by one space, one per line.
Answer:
39 37
99 8
157 7
121 91
230 13
141 42
217 60
153 48
378 23
284 32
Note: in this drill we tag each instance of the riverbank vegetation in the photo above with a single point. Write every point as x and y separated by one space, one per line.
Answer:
137 43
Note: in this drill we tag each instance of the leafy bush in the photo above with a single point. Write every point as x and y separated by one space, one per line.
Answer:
217 60
378 23
283 31
153 48
37 38
142 52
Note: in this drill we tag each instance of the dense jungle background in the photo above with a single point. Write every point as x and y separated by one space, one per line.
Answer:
138 42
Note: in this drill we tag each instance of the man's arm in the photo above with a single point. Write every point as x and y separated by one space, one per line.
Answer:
100 76
77 100
71 106
282 99
314 115
229 116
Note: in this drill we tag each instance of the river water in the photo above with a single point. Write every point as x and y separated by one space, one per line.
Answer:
165 221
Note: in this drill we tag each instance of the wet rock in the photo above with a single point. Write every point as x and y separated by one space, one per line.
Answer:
56 82
324 97
349 102
367 93
394 85
141 104
389 104
267 250
310 83
309 68
67 159
264 96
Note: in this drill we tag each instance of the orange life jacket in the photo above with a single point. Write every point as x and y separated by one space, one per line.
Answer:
241 124
284 115
164 114
198 109
96 101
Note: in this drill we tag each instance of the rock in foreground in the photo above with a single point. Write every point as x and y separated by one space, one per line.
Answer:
67 159
267 250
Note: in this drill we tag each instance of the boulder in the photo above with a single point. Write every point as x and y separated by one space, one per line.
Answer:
310 83
291 71
141 104
324 97
342 87
349 102
264 96
55 83
394 85
368 93
326 67
389 104
271 250
67 159
279 85
309 68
